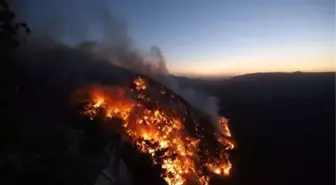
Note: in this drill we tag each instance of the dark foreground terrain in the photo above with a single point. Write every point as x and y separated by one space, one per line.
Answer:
284 125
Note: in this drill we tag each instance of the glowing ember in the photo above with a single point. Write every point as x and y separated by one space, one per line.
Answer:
140 84
160 131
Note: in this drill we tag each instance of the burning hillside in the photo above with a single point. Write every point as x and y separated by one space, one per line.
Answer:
182 140
185 142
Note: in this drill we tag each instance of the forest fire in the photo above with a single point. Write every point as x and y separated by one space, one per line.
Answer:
162 126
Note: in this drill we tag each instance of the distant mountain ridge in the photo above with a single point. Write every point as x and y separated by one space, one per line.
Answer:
255 77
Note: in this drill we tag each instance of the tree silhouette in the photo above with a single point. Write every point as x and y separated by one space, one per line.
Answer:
9 41
9 28
9 32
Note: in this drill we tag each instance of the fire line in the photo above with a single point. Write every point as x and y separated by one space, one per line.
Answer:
160 130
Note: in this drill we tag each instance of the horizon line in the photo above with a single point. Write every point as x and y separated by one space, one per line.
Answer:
239 74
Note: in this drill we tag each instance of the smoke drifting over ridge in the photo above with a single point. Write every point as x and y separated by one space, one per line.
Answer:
63 47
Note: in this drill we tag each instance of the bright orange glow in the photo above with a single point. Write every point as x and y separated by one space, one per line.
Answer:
160 132
291 58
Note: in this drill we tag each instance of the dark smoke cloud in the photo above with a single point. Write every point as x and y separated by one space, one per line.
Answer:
67 54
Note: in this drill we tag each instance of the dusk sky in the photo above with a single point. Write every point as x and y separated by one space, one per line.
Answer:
229 37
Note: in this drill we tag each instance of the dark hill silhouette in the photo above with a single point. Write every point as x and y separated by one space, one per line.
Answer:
284 124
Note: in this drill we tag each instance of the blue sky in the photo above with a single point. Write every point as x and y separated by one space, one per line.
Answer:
221 37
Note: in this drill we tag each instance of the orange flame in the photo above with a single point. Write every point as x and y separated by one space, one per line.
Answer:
154 130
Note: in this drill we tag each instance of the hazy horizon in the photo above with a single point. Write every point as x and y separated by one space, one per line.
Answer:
221 76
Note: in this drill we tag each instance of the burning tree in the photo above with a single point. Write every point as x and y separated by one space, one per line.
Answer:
157 122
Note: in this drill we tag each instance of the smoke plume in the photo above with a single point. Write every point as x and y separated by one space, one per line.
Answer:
62 52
